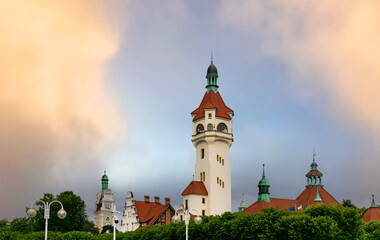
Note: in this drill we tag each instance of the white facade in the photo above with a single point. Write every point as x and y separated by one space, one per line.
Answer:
130 220
103 213
212 164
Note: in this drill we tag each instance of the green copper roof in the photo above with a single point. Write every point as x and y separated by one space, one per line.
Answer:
314 165
212 77
104 182
242 205
317 197
373 205
263 188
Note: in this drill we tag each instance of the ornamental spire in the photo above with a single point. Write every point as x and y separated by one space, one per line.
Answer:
242 205
104 181
212 77
373 205
263 188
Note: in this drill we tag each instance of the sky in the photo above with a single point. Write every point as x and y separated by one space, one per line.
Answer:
88 86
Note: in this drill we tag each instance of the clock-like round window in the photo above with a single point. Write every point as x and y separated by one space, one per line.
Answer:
107 219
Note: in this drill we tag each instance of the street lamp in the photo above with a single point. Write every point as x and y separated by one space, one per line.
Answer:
61 213
186 214
115 221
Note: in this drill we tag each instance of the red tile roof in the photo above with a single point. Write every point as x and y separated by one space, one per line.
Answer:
99 204
372 214
314 172
195 187
212 100
274 202
148 212
308 195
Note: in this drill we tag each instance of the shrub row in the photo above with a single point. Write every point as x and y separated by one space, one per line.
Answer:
316 222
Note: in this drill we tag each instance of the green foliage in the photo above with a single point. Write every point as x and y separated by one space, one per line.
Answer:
107 229
23 225
76 219
317 222
4 223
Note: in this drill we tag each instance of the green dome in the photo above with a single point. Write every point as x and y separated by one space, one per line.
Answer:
263 182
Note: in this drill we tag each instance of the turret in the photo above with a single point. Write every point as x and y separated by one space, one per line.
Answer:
263 188
104 182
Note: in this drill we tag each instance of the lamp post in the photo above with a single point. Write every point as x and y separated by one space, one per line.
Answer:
186 214
115 221
61 213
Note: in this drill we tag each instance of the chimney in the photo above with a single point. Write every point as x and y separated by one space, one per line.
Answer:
167 200
157 199
146 198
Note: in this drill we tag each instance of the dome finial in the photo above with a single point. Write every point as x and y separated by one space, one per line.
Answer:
263 170
212 58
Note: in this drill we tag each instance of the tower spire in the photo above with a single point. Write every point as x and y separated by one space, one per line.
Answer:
212 76
314 177
263 188
242 205
373 205
104 181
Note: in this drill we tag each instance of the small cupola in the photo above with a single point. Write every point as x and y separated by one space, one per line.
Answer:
314 176
263 188
212 77
104 181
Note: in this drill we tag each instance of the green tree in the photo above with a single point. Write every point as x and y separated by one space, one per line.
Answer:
108 228
4 223
23 225
75 220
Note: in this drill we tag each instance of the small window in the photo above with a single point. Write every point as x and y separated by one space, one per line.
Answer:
204 176
203 212
203 200
217 158
202 153
223 161
223 184
210 127
186 204
181 218
201 177
221 127
217 180
200 128
209 116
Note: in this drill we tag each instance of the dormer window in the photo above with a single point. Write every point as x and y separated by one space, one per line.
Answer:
209 116
222 127
200 128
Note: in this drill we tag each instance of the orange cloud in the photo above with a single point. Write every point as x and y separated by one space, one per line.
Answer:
55 108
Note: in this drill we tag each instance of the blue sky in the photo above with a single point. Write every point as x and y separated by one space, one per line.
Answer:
296 75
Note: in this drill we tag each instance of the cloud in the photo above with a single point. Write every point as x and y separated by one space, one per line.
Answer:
56 112
331 49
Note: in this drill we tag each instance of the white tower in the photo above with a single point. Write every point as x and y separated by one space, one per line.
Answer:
210 192
104 205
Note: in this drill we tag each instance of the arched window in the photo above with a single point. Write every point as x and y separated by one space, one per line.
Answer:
201 177
222 127
200 128
223 161
209 127
204 176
